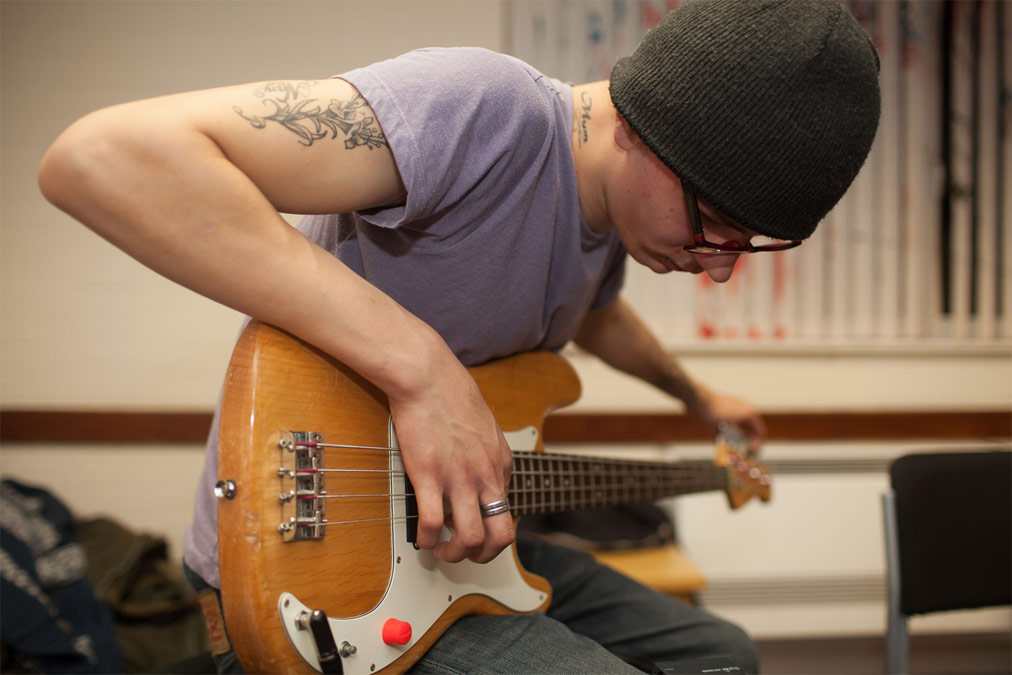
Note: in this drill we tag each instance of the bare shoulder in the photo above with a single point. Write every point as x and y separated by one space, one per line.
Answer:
313 146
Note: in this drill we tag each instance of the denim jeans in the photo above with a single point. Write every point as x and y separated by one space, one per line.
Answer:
599 621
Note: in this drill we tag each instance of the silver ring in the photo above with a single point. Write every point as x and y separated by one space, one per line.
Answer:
494 508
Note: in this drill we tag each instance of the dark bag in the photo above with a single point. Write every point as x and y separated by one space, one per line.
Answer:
51 620
158 622
609 528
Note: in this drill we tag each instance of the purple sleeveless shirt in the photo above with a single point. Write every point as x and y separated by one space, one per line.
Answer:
490 248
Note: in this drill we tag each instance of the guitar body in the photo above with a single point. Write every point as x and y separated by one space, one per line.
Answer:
312 527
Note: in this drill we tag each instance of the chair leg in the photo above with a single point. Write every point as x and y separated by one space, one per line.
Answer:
897 646
897 641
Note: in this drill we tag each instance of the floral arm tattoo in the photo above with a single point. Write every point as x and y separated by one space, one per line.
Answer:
306 117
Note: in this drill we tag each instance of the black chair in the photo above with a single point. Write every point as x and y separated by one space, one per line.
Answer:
948 527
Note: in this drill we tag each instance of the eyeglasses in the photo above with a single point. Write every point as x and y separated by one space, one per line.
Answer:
701 245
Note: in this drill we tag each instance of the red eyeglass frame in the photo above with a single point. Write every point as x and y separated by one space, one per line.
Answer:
701 245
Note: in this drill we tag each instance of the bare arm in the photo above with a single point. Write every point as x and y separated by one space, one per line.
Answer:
617 335
191 185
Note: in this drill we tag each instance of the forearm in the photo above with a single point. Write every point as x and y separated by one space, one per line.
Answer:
166 194
618 336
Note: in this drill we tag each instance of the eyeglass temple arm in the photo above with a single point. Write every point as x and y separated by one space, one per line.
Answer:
693 207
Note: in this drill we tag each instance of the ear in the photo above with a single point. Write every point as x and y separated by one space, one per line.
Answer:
625 137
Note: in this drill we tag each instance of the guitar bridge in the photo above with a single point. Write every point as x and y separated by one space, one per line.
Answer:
302 495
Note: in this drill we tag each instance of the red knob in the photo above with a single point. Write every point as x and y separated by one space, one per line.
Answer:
396 632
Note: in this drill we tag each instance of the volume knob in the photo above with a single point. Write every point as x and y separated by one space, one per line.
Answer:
396 632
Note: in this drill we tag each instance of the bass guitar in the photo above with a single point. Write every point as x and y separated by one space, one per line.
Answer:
316 517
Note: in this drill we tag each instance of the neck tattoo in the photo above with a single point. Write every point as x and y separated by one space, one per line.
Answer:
582 133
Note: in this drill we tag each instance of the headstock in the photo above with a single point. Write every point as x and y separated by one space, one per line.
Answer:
746 476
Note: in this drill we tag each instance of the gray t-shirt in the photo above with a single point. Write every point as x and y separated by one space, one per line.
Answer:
490 248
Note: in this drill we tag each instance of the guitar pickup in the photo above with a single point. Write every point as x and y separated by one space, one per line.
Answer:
410 512
302 494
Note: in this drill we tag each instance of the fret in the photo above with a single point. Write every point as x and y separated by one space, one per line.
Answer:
525 485
536 494
516 481
609 478
557 496
567 484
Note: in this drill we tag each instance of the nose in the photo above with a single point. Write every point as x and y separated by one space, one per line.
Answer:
718 267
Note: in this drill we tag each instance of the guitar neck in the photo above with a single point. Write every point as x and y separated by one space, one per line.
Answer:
543 483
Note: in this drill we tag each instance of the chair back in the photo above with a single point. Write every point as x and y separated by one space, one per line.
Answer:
954 529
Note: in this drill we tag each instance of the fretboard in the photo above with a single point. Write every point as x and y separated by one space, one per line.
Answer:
544 483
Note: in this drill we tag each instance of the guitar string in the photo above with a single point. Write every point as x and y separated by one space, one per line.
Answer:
559 473
570 483
321 444
538 458
543 505
568 478
520 455
596 487
600 483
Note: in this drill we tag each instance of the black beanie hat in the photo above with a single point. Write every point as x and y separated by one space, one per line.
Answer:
766 108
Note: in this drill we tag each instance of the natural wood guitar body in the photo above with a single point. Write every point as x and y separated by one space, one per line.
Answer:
277 383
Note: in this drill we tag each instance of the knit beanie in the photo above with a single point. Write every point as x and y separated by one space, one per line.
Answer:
766 108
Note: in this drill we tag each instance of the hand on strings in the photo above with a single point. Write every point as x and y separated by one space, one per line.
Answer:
457 457
717 409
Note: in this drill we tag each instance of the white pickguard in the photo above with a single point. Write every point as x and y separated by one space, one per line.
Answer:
421 587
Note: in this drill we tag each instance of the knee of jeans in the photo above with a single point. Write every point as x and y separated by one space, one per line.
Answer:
736 643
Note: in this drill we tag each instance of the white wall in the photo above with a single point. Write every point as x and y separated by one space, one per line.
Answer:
83 325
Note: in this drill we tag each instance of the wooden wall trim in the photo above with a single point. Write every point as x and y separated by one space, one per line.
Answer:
785 426
47 426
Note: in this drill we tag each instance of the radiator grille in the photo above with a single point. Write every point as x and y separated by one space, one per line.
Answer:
808 590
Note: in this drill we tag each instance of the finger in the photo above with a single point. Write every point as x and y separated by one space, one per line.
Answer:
506 458
756 430
500 532
430 516
468 531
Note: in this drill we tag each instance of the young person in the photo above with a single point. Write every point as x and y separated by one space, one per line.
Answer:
465 207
